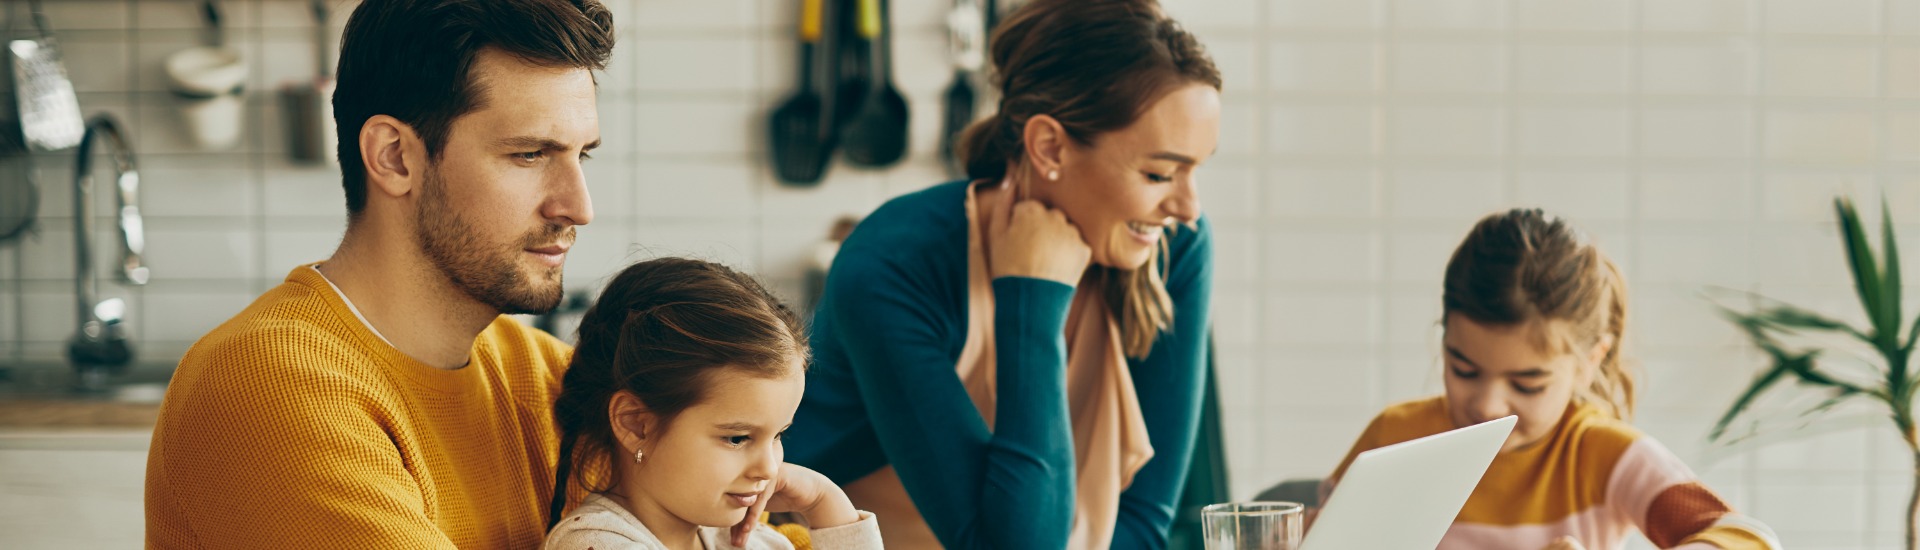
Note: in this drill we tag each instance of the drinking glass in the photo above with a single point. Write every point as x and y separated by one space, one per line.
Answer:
1253 525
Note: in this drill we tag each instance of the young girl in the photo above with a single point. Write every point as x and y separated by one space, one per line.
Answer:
1534 317
686 375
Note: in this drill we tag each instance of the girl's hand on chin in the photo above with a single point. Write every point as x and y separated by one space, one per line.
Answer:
800 490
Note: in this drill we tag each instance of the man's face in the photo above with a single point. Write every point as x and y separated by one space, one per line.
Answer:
497 209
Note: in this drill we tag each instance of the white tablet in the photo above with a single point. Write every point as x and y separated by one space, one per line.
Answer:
1404 496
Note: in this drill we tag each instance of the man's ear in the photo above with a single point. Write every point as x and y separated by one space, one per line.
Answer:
392 156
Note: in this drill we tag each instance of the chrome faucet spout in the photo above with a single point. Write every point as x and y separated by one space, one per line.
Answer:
100 345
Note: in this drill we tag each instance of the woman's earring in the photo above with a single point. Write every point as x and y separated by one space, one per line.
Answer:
637 454
1053 175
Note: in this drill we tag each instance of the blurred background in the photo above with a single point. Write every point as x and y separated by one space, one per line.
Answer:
1701 142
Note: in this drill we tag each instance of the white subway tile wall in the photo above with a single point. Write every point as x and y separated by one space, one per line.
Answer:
1700 141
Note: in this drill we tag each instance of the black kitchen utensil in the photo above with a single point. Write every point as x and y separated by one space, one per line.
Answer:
216 32
851 62
308 105
802 139
877 135
19 196
966 32
960 101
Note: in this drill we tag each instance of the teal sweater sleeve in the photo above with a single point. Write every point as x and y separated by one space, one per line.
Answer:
1009 487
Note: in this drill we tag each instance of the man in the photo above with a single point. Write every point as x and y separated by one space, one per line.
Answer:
379 399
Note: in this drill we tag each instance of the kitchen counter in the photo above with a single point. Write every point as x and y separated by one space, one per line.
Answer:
54 414
41 397
73 465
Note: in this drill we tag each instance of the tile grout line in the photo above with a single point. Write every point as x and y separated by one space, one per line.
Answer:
1885 176
1257 233
257 164
1756 23
1386 43
1636 145
1509 104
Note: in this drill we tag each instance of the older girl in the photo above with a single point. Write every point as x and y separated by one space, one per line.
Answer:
1534 318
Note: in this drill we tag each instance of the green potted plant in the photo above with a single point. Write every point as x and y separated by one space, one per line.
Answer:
1886 378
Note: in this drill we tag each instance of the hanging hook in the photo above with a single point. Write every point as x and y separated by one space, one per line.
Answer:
218 33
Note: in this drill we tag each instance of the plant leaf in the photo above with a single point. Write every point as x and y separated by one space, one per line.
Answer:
1866 275
1784 317
1759 384
1801 365
1913 333
1896 352
1788 318
1839 396
1782 428
1890 283
1809 373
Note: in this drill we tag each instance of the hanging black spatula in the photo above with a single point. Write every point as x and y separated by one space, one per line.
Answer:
966 32
877 134
802 137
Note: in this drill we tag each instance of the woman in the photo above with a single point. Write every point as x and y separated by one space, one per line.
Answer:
944 396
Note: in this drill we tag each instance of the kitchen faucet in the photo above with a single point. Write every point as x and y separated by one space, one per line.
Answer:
101 347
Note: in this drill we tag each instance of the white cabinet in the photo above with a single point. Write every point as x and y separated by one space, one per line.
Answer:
72 490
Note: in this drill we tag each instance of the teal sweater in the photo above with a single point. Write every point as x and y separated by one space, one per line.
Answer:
882 389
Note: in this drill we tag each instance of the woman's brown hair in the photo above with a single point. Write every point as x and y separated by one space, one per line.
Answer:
1095 66
661 330
1524 267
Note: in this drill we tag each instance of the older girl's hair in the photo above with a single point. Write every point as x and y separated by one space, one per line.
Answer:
1095 66
1524 267
661 330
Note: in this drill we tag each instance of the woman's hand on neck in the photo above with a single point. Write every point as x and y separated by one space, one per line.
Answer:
1022 237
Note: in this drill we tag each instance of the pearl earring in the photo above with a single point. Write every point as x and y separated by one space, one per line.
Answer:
1053 175
637 454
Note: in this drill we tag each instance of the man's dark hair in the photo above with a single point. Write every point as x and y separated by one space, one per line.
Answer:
413 60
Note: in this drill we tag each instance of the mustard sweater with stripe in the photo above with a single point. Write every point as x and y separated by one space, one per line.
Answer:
293 425
1593 478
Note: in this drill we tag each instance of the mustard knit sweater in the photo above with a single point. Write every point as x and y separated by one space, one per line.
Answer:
293 425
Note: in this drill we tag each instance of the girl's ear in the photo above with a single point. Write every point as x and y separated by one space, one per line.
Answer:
1600 350
631 421
1590 368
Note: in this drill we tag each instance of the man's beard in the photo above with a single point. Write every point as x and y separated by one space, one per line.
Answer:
488 272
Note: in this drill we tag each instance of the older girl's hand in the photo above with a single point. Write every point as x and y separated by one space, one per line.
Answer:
1565 543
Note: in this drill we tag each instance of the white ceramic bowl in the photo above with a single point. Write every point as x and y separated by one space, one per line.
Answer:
206 70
